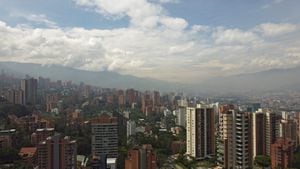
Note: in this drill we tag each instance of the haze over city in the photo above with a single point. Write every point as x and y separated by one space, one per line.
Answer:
172 40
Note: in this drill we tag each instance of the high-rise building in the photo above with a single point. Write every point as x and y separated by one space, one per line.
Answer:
288 129
121 98
41 135
29 87
131 128
141 158
233 142
131 97
263 126
16 96
156 99
148 157
282 153
180 115
270 130
87 90
147 104
297 119
253 107
105 136
182 103
242 140
57 152
200 126
51 101
133 160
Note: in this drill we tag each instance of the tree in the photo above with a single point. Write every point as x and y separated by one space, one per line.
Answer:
84 146
296 161
18 110
262 161
8 155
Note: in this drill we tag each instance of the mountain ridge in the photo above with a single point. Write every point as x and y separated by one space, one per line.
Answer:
268 80
95 78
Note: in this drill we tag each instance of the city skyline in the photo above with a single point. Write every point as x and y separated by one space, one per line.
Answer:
171 40
95 127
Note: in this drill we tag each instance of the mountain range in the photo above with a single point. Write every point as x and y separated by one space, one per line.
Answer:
101 78
269 80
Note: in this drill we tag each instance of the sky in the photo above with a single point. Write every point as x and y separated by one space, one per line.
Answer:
174 40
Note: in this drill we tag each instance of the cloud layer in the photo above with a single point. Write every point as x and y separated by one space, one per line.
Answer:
154 44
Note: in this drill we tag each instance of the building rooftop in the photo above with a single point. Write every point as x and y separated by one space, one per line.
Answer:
27 152
45 129
8 131
111 160
105 119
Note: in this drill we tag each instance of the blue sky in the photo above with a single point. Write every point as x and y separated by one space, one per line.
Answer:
174 40
230 13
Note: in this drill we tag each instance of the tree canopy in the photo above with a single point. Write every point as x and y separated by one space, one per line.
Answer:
262 161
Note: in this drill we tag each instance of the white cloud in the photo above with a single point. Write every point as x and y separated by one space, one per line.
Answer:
274 2
271 29
174 23
40 19
234 36
142 13
137 10
158 53
180 48
169 1
200 28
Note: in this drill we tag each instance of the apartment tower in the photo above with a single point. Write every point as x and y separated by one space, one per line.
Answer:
263 132
57 152
105 136
233 139
29 87
200 125
141 158
282 153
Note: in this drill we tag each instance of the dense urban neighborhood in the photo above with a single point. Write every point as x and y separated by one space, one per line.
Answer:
59 124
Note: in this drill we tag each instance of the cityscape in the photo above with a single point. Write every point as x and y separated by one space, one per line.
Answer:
60 124
149 84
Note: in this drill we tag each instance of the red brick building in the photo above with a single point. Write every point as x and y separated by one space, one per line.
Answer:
143 157
41 135
133 159
57 152
282 153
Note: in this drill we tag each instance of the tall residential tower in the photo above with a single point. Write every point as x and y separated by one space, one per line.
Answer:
200 125
29 87
105 136
233 141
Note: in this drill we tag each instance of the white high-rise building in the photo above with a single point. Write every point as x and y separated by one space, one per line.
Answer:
182 103
180 115
131 128
200 126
